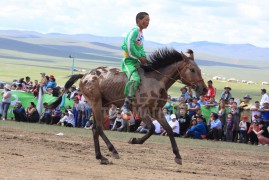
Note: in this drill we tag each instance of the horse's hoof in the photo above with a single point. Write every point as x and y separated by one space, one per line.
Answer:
178 161
115 156
132 141
104 161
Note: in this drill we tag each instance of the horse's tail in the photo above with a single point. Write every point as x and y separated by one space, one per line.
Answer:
68 84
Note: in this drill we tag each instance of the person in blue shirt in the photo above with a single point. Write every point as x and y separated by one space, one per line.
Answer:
198 131
52 83
215 130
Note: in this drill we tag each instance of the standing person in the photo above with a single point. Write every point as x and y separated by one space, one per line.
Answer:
185 93
226 95
244 108
265 96
133 55
222 116
265 113
43 81
112 115
229 127
6 100
255 112
236 119
243 130
211 91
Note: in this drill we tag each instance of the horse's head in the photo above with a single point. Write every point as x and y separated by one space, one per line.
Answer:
190 75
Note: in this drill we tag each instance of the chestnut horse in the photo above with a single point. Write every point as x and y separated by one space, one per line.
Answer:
104 86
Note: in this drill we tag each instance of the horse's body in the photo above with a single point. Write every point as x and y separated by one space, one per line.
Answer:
104 86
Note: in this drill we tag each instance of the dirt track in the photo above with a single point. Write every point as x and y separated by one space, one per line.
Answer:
25 155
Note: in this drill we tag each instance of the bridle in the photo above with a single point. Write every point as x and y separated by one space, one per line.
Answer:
181 80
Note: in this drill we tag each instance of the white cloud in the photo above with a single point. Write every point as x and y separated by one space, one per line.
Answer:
224 21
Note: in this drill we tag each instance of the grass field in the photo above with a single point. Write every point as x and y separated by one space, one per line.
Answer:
125 136
20 64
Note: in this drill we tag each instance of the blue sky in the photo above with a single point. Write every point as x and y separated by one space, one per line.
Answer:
223 21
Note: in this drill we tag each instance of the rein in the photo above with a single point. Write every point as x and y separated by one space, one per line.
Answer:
181 80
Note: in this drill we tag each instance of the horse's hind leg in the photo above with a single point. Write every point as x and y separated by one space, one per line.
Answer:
97 130
148 122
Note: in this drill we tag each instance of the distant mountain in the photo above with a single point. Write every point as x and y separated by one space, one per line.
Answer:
217 50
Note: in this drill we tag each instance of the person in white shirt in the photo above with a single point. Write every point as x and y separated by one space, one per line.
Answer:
174 125
67 119
6 100
157 126
265 96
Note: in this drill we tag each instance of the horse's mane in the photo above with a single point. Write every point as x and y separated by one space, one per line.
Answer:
161 58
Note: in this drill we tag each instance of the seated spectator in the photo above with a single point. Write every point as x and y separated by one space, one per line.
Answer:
226 95
193 123
35 89
166 115
198 131
46 115
67 119
229 127
252 135
118 123
211 103
13 87
184 121
19 87
174 124
31 113
19 112
142 128
55 115
193 106
243 130
23 84
215 131
51 83
157 126
263 134
202 101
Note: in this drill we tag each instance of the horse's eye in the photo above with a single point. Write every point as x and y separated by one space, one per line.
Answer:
192 70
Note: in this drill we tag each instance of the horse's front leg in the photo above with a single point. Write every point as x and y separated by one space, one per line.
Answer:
169 132
147 120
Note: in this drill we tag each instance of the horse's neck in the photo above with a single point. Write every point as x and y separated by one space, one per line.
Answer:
169 74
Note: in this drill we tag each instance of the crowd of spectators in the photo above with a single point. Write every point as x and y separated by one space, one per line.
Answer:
234 121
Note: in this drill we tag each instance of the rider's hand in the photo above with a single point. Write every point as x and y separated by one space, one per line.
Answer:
143 60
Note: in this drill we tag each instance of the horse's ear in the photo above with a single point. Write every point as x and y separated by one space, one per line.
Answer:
184 57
